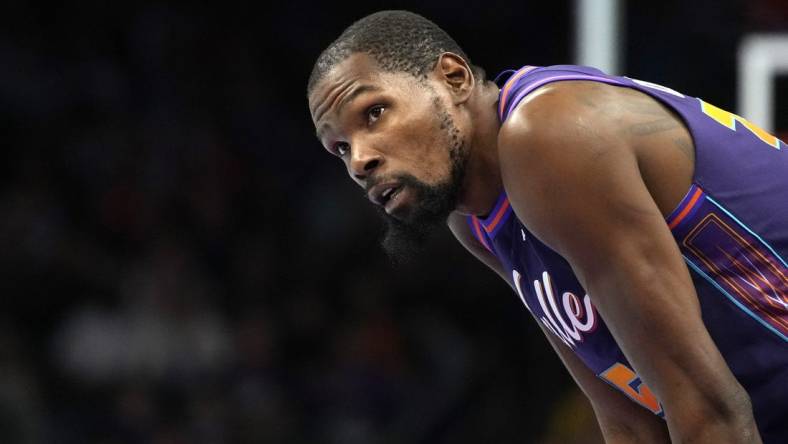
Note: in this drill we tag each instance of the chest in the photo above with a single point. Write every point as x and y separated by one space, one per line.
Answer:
546 285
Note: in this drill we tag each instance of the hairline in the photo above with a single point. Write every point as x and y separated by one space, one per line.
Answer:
476 71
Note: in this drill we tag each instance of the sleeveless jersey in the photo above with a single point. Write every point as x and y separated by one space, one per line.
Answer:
731 228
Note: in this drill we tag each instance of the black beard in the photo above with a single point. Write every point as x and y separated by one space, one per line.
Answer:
404 238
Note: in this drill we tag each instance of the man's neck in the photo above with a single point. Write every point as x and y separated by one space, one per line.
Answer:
482 183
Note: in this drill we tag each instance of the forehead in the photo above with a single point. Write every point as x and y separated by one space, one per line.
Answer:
358 71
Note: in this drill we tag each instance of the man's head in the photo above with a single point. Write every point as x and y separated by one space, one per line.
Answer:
387 98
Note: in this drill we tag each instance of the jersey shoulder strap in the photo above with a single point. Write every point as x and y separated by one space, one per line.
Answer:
525 80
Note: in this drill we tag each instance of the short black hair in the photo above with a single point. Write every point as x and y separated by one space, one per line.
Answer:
399 41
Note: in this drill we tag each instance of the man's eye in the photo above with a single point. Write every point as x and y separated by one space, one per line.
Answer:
374 113
341 148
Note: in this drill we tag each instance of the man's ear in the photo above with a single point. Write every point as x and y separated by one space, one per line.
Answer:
453 71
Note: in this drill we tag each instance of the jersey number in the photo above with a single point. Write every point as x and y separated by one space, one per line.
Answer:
728 119
725 118
625 379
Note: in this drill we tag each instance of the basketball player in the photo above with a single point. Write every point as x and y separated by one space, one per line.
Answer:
646 231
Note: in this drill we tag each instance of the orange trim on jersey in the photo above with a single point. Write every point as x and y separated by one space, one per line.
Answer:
479 234
686 209
508 86
498 216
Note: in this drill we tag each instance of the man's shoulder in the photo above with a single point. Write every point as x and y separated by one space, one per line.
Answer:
565 115
553 116
557 103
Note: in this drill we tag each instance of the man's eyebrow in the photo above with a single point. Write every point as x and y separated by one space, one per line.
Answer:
353 95
349 99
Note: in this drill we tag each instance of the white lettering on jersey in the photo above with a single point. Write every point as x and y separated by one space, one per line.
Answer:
516 277
582 316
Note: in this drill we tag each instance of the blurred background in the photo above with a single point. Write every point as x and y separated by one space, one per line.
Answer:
180 262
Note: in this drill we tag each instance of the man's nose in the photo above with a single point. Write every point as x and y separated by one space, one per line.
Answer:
363 162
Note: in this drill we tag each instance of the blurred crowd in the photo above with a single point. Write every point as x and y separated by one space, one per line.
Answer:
180 263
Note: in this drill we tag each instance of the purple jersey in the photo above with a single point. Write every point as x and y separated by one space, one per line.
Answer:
731 228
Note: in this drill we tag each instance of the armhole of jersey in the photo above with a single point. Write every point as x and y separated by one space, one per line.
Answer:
683 210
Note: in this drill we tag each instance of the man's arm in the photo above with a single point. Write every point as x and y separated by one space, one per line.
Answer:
571 172
621 420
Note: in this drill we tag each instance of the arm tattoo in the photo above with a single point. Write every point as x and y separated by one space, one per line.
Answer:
686 147
652 127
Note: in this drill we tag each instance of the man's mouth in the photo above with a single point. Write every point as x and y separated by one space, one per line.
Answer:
393 199
383 193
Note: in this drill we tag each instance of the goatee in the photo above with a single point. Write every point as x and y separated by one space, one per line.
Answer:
405 238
